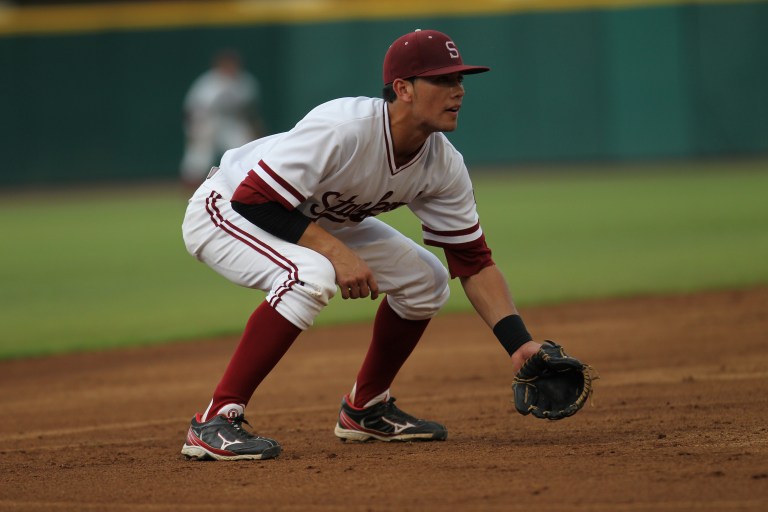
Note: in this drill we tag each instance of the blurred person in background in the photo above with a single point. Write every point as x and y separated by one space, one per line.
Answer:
221 111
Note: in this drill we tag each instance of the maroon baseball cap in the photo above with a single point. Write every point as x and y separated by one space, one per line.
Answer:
424 53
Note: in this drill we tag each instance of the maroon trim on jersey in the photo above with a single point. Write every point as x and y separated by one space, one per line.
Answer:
257 245
388 140
414 159
458 232
287 186
254 190
393 169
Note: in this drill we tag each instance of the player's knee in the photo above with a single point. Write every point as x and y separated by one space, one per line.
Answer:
440 290
318 283
303 299
425 297
324 278
438 278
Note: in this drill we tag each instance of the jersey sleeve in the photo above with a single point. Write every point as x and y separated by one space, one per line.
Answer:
449 220
290 170
448 212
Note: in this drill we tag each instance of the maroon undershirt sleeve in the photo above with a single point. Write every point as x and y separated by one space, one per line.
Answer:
468 259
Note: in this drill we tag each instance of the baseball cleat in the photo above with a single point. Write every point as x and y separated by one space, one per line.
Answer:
384 422
222 438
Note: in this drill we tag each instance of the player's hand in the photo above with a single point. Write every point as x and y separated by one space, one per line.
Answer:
522 354
354 277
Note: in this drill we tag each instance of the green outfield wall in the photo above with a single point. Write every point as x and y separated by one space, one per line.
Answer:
570 82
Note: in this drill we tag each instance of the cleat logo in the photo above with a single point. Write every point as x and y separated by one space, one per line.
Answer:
225 443
398 426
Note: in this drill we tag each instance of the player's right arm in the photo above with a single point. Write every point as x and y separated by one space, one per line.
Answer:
353 275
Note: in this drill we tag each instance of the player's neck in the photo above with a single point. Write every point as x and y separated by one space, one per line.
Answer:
407 139
406 155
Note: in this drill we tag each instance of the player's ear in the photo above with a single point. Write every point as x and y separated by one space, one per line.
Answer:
403 89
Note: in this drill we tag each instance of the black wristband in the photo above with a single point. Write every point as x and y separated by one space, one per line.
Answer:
512 333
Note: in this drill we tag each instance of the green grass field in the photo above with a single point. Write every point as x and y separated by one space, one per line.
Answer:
100 268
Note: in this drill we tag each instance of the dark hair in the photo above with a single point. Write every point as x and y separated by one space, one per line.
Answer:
388 93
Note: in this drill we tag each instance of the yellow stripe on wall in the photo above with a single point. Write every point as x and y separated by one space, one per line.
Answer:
150 15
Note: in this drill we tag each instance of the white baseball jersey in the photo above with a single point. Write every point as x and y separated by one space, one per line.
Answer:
337 165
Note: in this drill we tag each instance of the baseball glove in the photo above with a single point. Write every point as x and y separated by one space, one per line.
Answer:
551 384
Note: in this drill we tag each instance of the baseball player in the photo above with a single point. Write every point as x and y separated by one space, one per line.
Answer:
221 111
293 214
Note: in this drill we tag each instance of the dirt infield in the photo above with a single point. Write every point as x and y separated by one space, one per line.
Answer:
679 421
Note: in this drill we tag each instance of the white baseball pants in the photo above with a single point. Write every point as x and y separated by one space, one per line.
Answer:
300 282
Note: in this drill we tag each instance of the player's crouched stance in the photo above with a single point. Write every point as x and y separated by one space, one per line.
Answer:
293 214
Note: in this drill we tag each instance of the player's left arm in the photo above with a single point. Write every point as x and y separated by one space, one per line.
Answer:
489 294
450 220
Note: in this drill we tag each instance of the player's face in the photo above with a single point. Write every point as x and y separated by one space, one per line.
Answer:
437 100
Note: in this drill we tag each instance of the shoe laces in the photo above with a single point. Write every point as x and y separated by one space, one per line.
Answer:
237 425
394 412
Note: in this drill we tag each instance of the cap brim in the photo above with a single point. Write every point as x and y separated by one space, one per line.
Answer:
467 70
